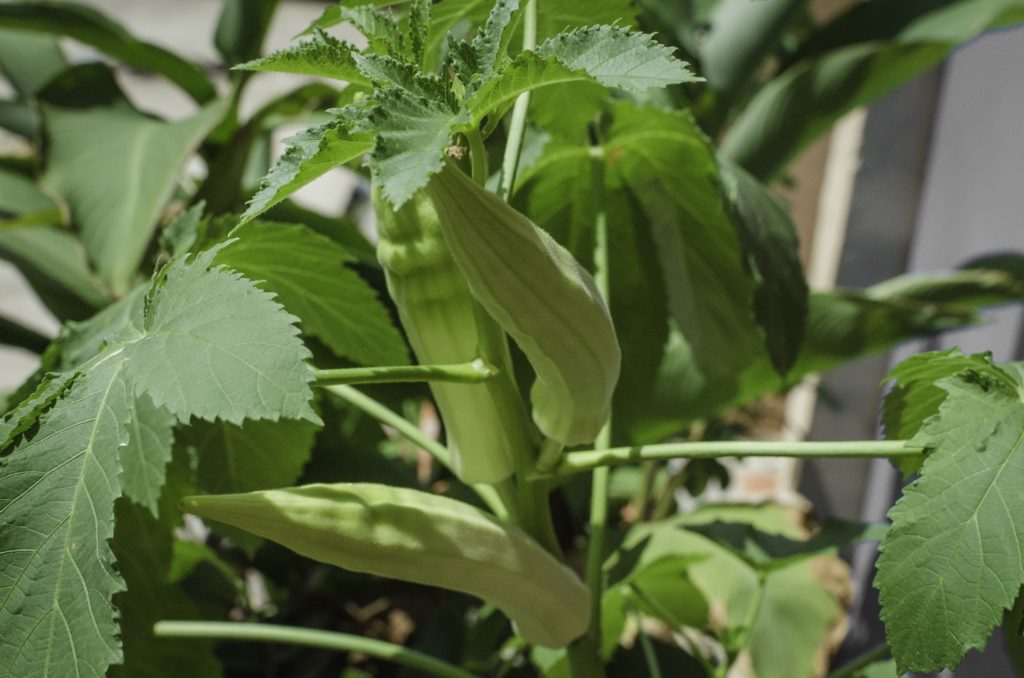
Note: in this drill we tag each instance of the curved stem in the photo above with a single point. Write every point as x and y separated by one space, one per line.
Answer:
517 123
578 462
465 373
329 640
412 433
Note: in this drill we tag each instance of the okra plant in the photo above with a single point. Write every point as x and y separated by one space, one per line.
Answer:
578 264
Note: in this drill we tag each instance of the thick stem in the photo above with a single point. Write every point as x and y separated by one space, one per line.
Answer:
411 432
465 373
517 123
344 642
585 460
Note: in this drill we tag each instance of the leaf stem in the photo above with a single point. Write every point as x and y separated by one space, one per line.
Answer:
585 460
329 640
517 123
477 156
646 645
411 432
465 373
860 661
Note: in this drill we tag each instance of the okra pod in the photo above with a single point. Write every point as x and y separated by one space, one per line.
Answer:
419 537
485 424
542 297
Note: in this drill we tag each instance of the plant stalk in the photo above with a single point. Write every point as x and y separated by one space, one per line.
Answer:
873 655
477 157
464 373
412 433
329 640
517 123
585 460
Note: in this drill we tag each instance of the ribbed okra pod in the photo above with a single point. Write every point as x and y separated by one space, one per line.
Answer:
419 537
485 423
542 297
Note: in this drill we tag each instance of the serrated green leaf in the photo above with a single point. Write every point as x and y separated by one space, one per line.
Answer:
951 562
26 413
57 495
145 457
325 57
216 347
769 241
527 72
314 282
389 72
379 28
618 57
116 169
419 28
490 41
180 235
413 134
82 341
93 28
309 154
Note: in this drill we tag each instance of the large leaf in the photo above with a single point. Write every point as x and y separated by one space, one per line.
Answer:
116 168
215 346
325 57
57 496
668 164
94 29
806 99
210 344
769 241
315 283
54 263
951 562
29 61
310 154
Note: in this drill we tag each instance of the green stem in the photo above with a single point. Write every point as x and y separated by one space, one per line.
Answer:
599 479
464 373
585 460
647 646
411 432
477 156
873 655
517 123
329 640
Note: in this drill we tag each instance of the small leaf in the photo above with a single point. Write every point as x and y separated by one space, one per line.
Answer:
217 347
951 562
618 57
315 283
325 57
419 28
490 41
379 27
309 155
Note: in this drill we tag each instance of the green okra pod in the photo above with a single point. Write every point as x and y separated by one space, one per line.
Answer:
485 424
419 537
542 297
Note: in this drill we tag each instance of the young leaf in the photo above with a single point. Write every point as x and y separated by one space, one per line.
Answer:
309 155
325 57
413 134
618 57
380 29
388 72
215 346
951 562
419 29
314 282
490 41
57 495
